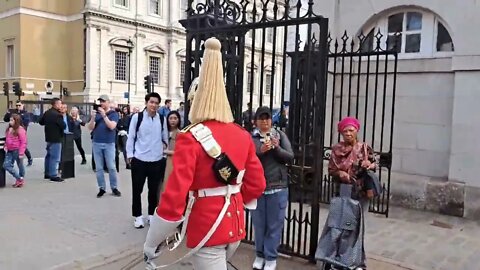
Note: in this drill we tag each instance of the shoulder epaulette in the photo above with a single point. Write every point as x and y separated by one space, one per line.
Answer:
187 128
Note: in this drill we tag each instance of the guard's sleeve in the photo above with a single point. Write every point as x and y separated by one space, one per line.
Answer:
173 200
254 182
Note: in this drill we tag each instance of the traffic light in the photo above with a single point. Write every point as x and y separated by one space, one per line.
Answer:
148 83
16 89
65 91
5 88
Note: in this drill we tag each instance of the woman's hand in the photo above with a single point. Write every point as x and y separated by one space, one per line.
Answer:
266 147
366 164
275 142
344 177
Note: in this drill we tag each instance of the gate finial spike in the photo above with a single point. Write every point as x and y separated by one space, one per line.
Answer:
210 101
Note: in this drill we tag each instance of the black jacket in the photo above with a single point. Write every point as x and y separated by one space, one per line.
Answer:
124 123
54 125
274 161
75 126
23 114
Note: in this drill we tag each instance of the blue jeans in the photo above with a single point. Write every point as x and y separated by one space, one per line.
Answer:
268 220
9 164
52 159
101 152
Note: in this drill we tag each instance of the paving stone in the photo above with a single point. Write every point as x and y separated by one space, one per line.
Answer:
65 224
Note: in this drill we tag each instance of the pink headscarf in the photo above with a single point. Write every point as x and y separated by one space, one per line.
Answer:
348 121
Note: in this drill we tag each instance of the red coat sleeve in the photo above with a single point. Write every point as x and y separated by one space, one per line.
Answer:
173 201
254 182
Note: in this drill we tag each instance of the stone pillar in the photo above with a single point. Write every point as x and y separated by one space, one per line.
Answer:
174 12
105 57
91 62
464 151
140 68
172 68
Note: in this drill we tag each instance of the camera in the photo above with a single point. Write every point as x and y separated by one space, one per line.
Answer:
96 105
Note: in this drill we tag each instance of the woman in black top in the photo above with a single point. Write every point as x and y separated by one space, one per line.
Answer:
77 124
122 129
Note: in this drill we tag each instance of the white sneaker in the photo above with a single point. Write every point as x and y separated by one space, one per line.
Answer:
150 218
258 263
139 222
270 265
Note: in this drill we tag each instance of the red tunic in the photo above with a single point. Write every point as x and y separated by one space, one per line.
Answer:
192 170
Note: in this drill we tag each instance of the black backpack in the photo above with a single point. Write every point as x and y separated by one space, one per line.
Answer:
139 122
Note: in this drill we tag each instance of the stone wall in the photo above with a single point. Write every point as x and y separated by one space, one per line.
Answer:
435 154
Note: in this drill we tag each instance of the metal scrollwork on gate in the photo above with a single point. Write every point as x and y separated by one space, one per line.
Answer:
278 53
221 8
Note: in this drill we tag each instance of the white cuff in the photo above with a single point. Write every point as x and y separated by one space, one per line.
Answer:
159 230
252 205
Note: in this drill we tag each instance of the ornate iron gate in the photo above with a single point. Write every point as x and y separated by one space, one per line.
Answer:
276 53
362 76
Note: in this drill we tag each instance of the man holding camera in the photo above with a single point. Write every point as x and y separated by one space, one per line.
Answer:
103 123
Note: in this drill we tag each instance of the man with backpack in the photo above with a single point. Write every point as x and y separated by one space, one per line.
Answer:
103 124
147 140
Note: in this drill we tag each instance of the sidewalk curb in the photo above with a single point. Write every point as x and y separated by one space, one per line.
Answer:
134 252
394 262
100 260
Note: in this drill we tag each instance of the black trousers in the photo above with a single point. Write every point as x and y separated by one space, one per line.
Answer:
28 154
78 143
141 170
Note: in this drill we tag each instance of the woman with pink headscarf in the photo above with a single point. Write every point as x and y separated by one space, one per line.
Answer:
350 159
349 164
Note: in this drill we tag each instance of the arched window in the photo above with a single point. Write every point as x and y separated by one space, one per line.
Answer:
410 32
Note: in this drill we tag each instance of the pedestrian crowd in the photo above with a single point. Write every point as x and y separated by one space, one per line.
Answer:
214 164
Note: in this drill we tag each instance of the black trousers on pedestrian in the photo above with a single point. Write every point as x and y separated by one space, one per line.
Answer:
28 154
141 170
78 143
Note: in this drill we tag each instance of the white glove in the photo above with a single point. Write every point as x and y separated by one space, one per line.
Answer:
150 253
158 232
252 205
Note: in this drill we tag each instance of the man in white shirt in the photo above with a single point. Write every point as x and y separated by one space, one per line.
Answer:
148 137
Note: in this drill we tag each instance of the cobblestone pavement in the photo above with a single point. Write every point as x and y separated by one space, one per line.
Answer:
64 226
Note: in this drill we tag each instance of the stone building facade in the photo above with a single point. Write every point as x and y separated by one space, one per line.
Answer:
435 154
152 32
127 40
41 41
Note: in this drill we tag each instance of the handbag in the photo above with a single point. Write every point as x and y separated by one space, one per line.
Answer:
371 180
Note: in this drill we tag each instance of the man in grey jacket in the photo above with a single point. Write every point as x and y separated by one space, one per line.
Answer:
274 151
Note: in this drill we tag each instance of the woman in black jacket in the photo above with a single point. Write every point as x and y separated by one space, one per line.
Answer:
274 151
122 132
77 124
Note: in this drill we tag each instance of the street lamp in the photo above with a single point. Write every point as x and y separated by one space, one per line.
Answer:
130 48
